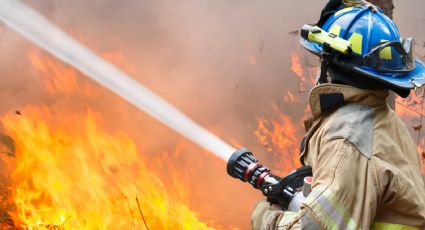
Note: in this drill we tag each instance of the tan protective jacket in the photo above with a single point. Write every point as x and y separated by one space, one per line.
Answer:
366 170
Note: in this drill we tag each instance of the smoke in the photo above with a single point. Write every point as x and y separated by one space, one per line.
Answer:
224 63
30 24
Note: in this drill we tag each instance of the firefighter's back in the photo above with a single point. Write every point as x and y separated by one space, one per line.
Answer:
398 172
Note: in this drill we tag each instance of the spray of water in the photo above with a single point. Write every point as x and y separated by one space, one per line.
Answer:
39 30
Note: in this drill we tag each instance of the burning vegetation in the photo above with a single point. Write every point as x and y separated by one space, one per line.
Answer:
86 178
80 176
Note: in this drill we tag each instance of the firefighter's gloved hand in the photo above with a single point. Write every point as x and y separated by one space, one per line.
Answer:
264 212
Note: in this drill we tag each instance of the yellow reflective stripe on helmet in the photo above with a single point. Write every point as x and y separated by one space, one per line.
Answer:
386 52
331 212
356 40
388 226
343 11
335 29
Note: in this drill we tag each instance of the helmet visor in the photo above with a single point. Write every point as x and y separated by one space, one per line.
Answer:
392 56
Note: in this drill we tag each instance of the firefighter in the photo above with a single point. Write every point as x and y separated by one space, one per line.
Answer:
366 171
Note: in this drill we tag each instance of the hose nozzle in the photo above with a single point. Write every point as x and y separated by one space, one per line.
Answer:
244 166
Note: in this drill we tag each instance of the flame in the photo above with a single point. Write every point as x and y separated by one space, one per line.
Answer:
289 97
281 137
296 65
80 176
85 178
410 110
306 75
56 79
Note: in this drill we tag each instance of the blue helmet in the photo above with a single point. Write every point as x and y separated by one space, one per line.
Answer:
377 49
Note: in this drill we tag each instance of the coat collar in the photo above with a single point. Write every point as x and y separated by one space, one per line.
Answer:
326 98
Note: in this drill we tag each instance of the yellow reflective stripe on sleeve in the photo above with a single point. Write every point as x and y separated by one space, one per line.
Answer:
289 214
287 218
331 213
386 52
343 11
336 29
356 43
388 226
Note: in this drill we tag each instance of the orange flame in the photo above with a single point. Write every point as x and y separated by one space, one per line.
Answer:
69 173
410 110
56 79
296 65
85 178
289 97
281 137
306 76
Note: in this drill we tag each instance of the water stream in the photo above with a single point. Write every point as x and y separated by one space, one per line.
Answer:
43 33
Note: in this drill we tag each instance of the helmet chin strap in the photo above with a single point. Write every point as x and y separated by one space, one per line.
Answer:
326 57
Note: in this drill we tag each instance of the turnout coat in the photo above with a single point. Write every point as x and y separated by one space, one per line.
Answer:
366 171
